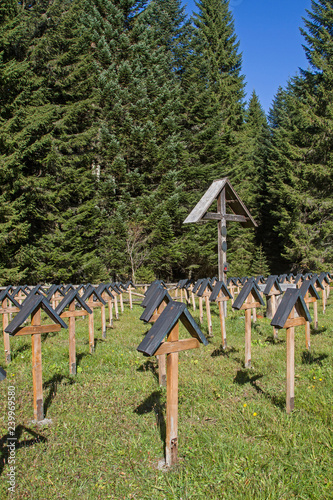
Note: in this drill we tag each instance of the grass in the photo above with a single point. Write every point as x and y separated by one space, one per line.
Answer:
108 422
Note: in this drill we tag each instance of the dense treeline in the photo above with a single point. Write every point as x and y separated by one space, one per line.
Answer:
115 117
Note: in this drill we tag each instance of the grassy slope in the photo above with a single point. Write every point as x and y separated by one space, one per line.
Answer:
235 439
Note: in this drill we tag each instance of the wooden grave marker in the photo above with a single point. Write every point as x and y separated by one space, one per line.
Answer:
204 292
248 298
310 296
107 296
272 290
88 296
291 312
221 294
32 306
229 208
71 298
167 325
8 306
153 310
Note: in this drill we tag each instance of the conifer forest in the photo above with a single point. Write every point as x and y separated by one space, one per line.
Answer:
115 118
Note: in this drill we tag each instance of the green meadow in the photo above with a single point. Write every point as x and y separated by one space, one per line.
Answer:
107 430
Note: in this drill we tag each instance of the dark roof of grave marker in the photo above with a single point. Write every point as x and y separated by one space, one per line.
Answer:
161 295
102 287
317 282
129 283
197 285
270 282
237 206
30 306
323 277
4 294
203 286
92 291
152 290
308 286
2 374
173 312
55 289
249 287
289 300
219 286
299 277
68 299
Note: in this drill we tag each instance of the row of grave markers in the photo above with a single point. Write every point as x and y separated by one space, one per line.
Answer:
165 313
58 303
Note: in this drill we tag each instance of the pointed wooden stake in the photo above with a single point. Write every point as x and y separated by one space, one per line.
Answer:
36 342
171 443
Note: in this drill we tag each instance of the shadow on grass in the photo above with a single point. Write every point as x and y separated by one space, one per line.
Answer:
149 366
154 403
308 358
271 340
45 336
243 378
7 440
223 352
52 385
317 331
19 350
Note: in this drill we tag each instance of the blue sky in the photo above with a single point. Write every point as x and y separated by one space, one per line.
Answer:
270 41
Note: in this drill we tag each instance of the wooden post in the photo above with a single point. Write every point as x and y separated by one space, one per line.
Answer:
200 310
90 303
72 347
324 299
161 358
307 335
110 312
36 343
116 306
222 323
222 241
6 340
130 296
103 321
171 442
121 303
193 300
315 314
209 317
248 335
273 304
290 388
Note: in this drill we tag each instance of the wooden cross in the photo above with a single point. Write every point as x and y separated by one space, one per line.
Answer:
248 298
8 306
167 325
229 208
88 297
153 310
271 289
221 294
32 307
291 312
70 299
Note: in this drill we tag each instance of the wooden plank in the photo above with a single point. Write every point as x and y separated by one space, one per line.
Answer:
9 310
180 345
171 440
248 338
250 305
6 340
35 330
72 346
294 322
205 202
36 345
73 314
290 379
